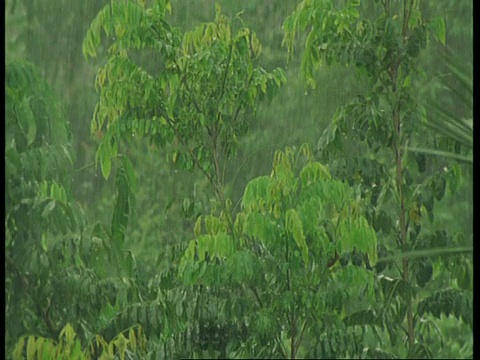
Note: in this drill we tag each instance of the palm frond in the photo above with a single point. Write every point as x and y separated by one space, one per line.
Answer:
444 121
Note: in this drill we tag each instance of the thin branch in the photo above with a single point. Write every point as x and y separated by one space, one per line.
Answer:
184 82
301 334
84 167
280 345
224 81
293 331
256 296
398 153
193 156
406 17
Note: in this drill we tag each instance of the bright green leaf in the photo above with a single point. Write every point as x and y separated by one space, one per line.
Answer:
437 26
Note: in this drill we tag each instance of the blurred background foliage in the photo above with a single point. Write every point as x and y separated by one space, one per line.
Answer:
50 33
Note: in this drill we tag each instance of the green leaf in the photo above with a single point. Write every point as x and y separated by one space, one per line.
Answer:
18 351
48 208
223 245
457 302
255 195
313 172
31 348
213 225
197 229
122 205
261 227
130 174
437 26
105 158
294 226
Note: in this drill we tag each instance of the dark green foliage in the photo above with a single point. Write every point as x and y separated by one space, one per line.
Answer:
49 248
384 44
125 183
454 302
424 272
38 208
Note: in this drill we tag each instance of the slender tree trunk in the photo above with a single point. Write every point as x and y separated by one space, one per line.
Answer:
292 334
407 10
399 172
402 221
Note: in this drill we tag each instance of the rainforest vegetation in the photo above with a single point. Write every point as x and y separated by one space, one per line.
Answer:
238 179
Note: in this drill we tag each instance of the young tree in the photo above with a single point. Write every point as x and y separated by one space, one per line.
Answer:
383 41
280 264
38 209
194 104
